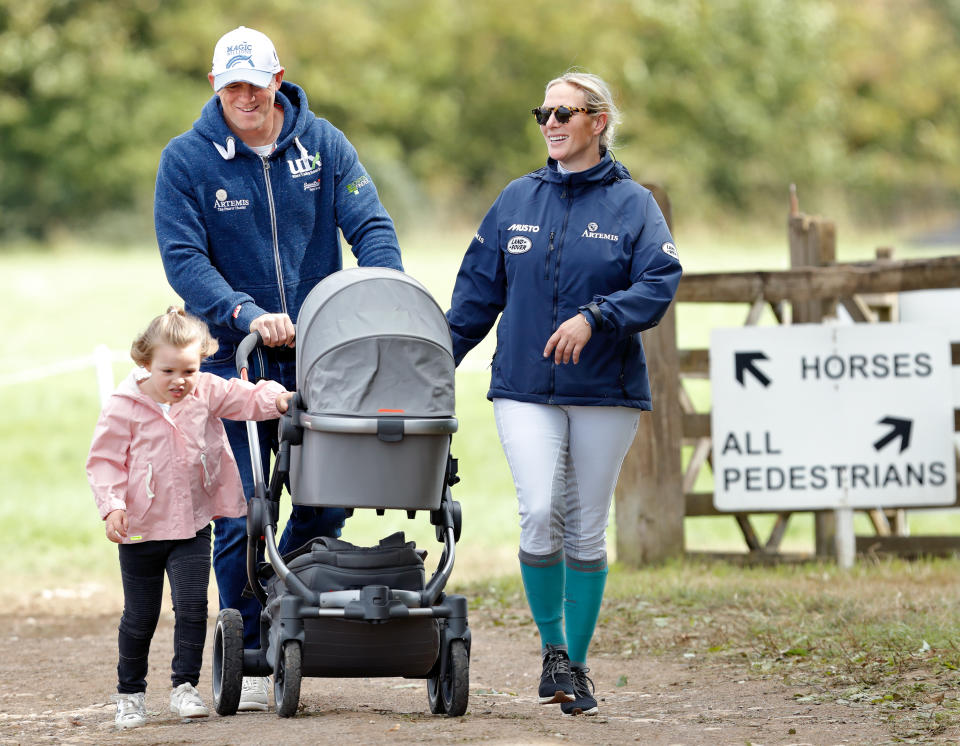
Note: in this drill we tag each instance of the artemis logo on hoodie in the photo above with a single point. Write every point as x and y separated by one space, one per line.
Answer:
222 204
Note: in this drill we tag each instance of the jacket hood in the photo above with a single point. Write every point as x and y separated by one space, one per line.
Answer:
605 172
297 117
128 386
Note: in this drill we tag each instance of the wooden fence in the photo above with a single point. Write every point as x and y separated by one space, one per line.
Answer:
655 492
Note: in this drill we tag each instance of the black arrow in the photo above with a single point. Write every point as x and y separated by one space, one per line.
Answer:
900 427
744 361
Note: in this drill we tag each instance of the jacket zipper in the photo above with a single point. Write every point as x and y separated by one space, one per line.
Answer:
273 229
568 195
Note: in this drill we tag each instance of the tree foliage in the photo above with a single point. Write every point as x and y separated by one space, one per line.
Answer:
725 102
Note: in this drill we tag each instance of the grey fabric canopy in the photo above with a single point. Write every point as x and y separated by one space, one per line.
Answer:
373 342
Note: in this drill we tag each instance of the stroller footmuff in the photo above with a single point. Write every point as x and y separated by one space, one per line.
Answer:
369 427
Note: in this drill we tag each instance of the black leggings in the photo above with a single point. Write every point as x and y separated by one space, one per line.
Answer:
187 564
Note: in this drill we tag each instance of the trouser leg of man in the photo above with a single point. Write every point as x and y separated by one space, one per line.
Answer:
230 541
230 534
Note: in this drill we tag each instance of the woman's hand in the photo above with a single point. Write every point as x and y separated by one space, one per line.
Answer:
117 526
283 401
569 339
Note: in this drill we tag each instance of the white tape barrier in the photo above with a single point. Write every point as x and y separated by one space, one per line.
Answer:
103 358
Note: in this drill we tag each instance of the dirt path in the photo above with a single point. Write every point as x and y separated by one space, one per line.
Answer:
57 674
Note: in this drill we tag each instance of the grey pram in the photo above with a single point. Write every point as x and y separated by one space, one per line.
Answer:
369 427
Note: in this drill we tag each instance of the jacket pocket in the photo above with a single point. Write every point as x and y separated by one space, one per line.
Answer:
141 491
209 471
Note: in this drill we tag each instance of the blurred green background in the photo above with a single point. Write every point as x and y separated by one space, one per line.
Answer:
725 104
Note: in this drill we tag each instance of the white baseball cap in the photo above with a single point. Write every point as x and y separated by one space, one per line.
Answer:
244 55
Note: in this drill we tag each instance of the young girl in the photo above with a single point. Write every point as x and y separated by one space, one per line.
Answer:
161 469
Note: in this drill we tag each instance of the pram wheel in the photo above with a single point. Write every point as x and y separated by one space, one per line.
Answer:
228 662
448 695
286 679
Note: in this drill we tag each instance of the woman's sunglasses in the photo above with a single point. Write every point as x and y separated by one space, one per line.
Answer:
561 113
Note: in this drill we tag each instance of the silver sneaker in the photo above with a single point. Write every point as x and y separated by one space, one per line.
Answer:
131 710
185 701
254 694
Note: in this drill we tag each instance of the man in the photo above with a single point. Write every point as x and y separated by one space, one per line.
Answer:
247 210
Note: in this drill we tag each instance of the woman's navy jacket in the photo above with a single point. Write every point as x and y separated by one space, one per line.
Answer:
551 244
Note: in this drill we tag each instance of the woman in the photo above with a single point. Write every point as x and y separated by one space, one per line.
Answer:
579 260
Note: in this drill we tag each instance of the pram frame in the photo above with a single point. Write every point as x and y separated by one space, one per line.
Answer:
281 644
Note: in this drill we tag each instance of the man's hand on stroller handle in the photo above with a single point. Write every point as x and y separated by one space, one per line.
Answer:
276 329
116 526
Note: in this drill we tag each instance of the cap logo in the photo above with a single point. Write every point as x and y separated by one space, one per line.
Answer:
236 60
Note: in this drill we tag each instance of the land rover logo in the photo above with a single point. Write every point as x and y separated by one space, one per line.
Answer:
519 245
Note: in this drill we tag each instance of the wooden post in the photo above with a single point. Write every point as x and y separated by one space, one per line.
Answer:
813 242
649 495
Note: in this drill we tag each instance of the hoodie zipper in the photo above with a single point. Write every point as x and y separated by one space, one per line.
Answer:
273 230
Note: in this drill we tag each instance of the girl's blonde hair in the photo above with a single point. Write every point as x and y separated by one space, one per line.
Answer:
176 328
598 99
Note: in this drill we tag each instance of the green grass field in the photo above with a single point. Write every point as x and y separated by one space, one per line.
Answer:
69 301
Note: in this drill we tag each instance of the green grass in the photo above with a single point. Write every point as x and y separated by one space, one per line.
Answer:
66 302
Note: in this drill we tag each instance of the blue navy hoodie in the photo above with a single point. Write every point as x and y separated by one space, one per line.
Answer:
551 244
241 235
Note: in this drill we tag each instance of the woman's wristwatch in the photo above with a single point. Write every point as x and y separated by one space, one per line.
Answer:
594 310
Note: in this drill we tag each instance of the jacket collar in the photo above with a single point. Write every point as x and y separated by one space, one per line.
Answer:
605 172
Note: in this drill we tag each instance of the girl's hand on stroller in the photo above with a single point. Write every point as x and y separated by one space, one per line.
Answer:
117 526
275 329
283 401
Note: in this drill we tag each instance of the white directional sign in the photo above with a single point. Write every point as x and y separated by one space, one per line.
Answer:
812 416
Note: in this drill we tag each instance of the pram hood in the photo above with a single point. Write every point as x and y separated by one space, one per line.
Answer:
372 342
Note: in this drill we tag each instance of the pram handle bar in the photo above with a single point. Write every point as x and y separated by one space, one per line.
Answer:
371 425
247 345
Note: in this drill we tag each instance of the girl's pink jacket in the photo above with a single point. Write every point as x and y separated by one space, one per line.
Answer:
173 475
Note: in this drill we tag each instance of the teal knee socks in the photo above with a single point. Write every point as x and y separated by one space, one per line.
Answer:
543 578
583 593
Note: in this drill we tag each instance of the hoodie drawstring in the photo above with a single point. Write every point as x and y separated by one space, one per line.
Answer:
304 153
227 153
